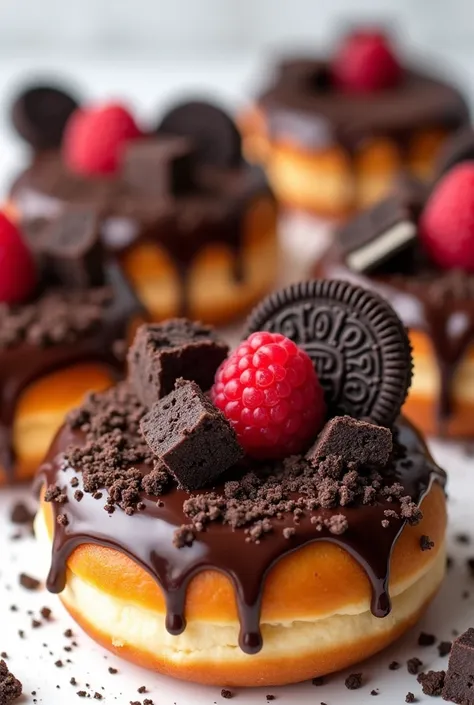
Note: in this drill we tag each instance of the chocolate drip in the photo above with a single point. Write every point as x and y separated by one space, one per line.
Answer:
431 303
24 363
182 224
147 537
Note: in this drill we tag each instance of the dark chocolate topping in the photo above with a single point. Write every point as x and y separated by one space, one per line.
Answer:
357 343
40 113
58 330
302 103
426 298
213 133
259 515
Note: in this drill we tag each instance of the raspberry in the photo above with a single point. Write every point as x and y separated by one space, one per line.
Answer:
365 63
17 267
447 223
94 139
269 391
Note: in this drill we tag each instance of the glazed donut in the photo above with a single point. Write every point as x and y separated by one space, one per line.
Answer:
193 225
332 149
278 571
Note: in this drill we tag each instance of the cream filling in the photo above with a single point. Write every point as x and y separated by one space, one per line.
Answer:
126 623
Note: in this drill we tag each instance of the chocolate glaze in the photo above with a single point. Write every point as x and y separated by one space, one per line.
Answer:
440 304
22 364
147 537
302 104
212 212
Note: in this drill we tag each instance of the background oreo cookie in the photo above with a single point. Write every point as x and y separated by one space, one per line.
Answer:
213 133
358 344
40 113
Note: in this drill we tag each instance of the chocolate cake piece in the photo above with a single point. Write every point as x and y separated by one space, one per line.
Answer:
163 352
354 441
459 681
72 248
190 436
159 167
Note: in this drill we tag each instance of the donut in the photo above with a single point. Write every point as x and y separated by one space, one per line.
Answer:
192 224
64 320
222 558
387 248
332 136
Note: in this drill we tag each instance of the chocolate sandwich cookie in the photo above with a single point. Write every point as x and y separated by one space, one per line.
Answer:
40 113
213 133
358 345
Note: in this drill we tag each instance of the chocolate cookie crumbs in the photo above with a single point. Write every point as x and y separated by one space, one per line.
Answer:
112 671
354 441
59 663
410 698
432 682
227 694
414 665
10 687
354 681
21 514
462 538
46 613
444 648
28 582
270 697
426 544
394 666
426 639
163 352
60 316
68 634
374 692
320 680
142 689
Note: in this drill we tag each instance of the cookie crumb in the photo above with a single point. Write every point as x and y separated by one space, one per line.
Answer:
320 680
226 694
413 665
394 666
426 544
354 681
426 639
444 648
432 682
10 687
28 582
410 698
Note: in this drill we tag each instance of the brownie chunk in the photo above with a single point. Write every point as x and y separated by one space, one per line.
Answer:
163 352
72 248
459 681
354 441
10 687
190 436
159 167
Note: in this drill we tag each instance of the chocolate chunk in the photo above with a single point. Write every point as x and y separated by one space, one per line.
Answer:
413 665
410 698
161 353
354 441
212 131
73 249
10 687
377 234
358 345
28 582
159 167
40 113
458 148
459 682
432 682
190 436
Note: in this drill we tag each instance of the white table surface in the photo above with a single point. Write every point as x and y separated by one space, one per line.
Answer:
150 86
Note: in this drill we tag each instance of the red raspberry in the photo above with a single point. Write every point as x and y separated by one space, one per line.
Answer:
269 391
94 139
447 223
17 267
365 63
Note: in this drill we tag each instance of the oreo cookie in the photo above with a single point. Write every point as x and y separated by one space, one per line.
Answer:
40 113
358 345
212 132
